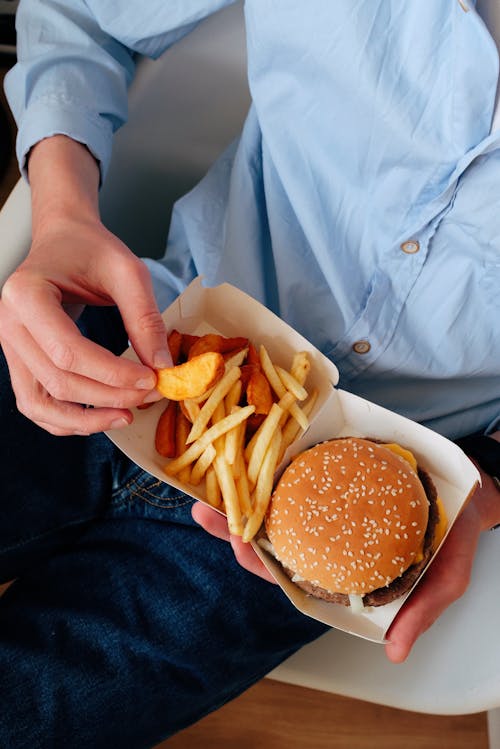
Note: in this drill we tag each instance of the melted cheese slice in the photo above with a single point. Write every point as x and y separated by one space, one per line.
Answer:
443 520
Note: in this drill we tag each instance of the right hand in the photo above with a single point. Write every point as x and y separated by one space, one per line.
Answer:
55 371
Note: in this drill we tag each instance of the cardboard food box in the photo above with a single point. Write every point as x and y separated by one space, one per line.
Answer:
337 413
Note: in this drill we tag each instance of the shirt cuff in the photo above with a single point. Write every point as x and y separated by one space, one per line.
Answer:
51 116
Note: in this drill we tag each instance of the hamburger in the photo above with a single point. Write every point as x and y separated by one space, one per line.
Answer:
354 521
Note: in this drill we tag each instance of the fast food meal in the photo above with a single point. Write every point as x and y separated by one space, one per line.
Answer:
231 415
351 521
354 521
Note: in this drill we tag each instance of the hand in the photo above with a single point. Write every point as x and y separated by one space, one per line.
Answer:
448 576
73 261
216 524
54 369
444 582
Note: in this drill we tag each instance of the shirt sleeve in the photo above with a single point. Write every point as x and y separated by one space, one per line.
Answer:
76 59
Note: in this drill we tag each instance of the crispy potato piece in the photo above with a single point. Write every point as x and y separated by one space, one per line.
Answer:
187 342
215 342
192 378
247 371
165 431
253 355
259 392
174 344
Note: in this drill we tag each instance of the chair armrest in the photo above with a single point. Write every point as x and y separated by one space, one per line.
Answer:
15 229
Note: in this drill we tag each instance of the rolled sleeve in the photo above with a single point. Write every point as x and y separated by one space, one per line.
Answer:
53 115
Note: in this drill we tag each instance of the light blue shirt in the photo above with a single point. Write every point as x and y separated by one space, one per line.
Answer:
362 200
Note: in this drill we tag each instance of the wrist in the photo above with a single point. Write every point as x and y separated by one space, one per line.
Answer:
485 452
64 179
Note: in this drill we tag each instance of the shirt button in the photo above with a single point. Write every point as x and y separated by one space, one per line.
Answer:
361 347
411 246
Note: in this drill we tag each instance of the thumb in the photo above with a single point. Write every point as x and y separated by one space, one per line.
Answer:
134 295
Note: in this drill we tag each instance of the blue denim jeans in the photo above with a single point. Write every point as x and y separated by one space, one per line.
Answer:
127 622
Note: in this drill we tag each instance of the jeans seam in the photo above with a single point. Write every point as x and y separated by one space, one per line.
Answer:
133 488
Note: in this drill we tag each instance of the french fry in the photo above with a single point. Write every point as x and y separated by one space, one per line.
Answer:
229 495
196 448
233 396
301 366
292 429
286 403
264 487
192 378
278 387
218 415
165 431
190 409
264 436
291 383
219 393
212 487
234 439
242 487
235 359
202 465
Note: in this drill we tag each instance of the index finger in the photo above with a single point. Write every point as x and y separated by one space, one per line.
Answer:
60 339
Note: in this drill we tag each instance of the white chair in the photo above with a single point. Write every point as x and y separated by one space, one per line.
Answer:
173 135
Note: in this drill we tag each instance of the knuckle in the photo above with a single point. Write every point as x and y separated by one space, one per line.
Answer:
11 290
61 354
151 322
55 384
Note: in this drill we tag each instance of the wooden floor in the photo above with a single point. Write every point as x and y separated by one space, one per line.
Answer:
272 715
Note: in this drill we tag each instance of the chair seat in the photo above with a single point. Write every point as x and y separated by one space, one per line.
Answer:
454 668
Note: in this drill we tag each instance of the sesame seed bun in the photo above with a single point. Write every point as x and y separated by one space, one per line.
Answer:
351 517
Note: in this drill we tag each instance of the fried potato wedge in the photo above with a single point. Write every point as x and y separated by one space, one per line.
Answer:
191 379
165 431
215 342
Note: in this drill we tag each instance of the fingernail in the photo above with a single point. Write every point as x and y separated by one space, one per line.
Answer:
119 423
162 359
146 383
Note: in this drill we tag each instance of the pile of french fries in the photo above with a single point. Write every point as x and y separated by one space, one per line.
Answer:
233 435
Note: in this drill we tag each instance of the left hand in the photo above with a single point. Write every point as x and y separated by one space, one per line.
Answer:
444 582
448 577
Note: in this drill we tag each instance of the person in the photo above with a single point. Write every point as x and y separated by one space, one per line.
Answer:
359 205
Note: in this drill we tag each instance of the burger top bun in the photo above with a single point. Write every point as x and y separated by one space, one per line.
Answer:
348 515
